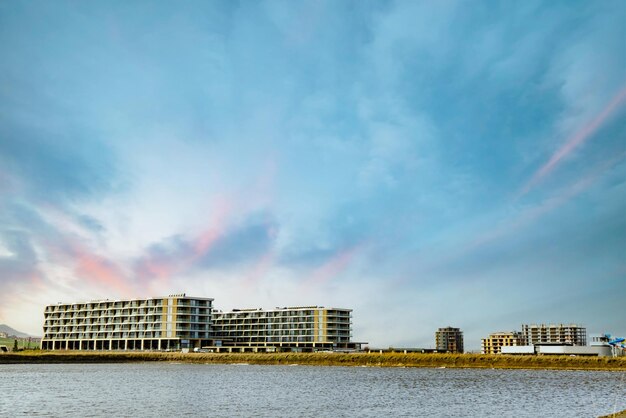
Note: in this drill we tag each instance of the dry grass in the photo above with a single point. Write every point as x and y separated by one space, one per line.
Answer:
329 359
621 414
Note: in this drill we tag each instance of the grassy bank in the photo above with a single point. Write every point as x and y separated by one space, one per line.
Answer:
329 359
621 414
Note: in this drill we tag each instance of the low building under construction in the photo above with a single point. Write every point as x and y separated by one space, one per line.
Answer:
571 334
494 343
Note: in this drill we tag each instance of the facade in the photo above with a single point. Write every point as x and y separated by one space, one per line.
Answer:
179 321
599 340
561 350
172 322
554 334
302 328
494 343
449 340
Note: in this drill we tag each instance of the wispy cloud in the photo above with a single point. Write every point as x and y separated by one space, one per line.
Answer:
533 213
102 273
333 267
221 245
576 140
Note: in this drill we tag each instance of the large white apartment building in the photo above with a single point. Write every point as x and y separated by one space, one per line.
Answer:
302 328
173 322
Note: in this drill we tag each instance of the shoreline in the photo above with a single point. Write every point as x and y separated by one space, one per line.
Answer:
481 361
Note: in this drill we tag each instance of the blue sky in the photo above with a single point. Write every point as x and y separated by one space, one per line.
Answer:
423 163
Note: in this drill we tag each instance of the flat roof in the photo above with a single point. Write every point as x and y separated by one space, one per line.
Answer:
286 308
178 296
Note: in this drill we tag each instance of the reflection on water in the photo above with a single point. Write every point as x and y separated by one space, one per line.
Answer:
163 389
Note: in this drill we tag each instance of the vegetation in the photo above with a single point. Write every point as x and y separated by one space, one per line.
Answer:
621 414
328 359
22 343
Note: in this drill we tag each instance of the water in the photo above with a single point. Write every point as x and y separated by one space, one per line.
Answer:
166 389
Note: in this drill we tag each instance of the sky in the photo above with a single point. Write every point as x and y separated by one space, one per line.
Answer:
426 164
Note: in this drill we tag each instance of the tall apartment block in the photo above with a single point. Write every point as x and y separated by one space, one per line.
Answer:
554 334
303 328
494 343
449 340
172 322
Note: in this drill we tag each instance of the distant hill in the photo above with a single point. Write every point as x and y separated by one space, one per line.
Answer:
11 331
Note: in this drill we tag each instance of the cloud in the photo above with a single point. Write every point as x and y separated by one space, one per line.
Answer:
230 247
102 272
576 140
56 165
244 149
18 260
332 268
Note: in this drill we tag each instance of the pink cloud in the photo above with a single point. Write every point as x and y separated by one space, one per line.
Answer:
163 268
530 215
336 265
221 215
575 141
263 190
216 228
259 269
100 271
513 224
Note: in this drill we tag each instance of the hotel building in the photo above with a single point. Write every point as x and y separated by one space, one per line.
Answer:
449 340
554 334
179 321
172 322
494 343
302 328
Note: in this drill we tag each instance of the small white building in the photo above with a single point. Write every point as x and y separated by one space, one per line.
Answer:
562 350
599 346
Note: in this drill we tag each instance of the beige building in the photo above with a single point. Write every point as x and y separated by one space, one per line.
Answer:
302 328
179 321
494 343
449 340
172 322
571 334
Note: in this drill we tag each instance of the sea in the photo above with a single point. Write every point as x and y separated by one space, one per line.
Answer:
242 390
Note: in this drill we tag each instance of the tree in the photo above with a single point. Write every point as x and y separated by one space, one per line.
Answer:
14 345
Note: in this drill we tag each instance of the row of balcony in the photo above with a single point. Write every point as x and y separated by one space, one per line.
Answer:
104 305
283 327
305 320
119 335
274 314
122 313
278 334
126 328
285 339
156 319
